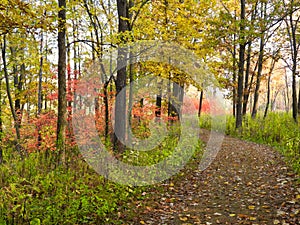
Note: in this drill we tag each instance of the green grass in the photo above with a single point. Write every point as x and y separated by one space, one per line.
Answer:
277 130
38 190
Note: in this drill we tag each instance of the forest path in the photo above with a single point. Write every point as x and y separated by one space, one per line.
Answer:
247 183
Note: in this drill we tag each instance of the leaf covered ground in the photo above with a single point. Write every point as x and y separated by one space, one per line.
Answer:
247 183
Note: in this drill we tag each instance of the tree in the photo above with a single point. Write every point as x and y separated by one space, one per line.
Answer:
292 20
239 116
120 105
263 12
272 66
62 101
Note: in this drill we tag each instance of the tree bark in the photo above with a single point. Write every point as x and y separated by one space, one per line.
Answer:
120 105
269 87
260 63
258 78
247 74
200 103
40 80
62 101
239 116
291 25
158 102
287 97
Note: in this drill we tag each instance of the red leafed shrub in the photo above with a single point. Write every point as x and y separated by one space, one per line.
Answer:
43 126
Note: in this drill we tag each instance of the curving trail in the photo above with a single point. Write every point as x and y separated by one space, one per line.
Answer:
247 183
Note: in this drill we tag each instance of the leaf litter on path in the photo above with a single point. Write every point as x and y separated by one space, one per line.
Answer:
247 183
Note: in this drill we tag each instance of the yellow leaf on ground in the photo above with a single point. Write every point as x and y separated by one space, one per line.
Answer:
183 218
251 207
142 222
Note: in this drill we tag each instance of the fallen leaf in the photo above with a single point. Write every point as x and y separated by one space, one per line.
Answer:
183 218
243 216
251 207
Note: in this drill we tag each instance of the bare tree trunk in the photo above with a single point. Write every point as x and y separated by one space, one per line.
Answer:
158 101
120 107
260 63
287 93
62 101
239 116
291 25
258 78
294 93
200 103
234 90
40 80
246 86
269 88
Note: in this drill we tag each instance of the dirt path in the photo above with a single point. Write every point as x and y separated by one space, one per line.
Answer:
248 183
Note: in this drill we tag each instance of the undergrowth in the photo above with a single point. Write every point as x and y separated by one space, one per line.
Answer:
39 190
34 191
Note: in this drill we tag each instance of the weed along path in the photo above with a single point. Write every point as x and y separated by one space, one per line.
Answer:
247 183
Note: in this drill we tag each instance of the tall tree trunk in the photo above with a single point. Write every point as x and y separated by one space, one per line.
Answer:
200 103
247 74
287 92
40 80
260 63
181 97
294 92
158 101
120 105
234 90
62 101
258 78
291 25
239 116
18 84
269 87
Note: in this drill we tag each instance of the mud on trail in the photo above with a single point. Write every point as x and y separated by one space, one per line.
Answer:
247 183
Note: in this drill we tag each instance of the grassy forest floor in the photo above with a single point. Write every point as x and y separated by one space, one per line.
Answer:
247 183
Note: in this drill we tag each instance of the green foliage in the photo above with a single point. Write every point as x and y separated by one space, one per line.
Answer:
38 191
277 130
32 193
